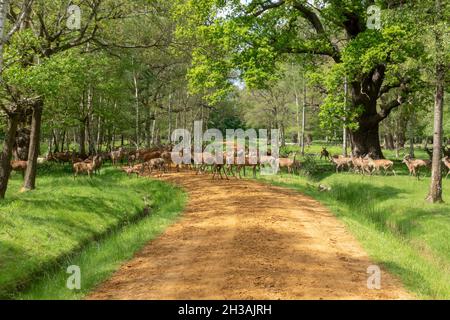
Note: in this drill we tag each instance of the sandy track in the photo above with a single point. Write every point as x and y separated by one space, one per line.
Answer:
245 240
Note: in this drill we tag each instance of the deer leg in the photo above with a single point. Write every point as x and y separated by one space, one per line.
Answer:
225 172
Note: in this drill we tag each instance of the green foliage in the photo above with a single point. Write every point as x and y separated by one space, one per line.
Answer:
310 166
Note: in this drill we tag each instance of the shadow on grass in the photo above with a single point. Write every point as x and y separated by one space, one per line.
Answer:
412 279
363 201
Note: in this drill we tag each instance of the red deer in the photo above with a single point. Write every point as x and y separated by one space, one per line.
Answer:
155 164
88 168
377 165
291 164
414 165
19 166
341 162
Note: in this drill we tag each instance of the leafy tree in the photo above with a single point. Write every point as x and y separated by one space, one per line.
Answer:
245 39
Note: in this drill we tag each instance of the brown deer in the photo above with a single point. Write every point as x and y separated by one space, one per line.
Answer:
60 157
155 164
250 161
117 156
291 164
341 162
377 165
89 168
361 165
19 166
414 165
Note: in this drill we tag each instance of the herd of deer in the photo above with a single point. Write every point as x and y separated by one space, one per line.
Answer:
159 159
370 166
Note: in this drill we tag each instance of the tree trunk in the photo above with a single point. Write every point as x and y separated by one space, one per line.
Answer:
304 116
136 96
366 141
82 138
169 131
435 195
153 131
99 135
89 120
50 145
63 142
411 133
113 139
345 131
5 155
33 151
365 94
4 4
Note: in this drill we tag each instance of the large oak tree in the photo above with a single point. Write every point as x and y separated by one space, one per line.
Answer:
247 38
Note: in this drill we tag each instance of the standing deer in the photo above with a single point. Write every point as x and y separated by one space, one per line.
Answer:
291 164
88 167
341 162
414 165
325 154
19 166
377 165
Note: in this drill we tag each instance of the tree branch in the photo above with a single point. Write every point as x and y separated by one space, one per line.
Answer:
24 14
314 20
264 8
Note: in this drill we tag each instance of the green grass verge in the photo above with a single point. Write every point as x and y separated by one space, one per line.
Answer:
393 222
95 224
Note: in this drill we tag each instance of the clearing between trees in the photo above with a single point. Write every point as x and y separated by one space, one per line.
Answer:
247 240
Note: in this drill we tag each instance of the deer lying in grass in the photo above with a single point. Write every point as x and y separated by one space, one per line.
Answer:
414 165
446 162
341 162
377 165
86 167
19 166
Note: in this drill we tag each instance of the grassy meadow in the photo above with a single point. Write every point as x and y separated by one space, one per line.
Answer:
390 217
95 224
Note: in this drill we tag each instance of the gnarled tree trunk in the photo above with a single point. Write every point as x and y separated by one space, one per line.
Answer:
5 155
82 138
366 140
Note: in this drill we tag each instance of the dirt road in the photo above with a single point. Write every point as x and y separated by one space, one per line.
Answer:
245 240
